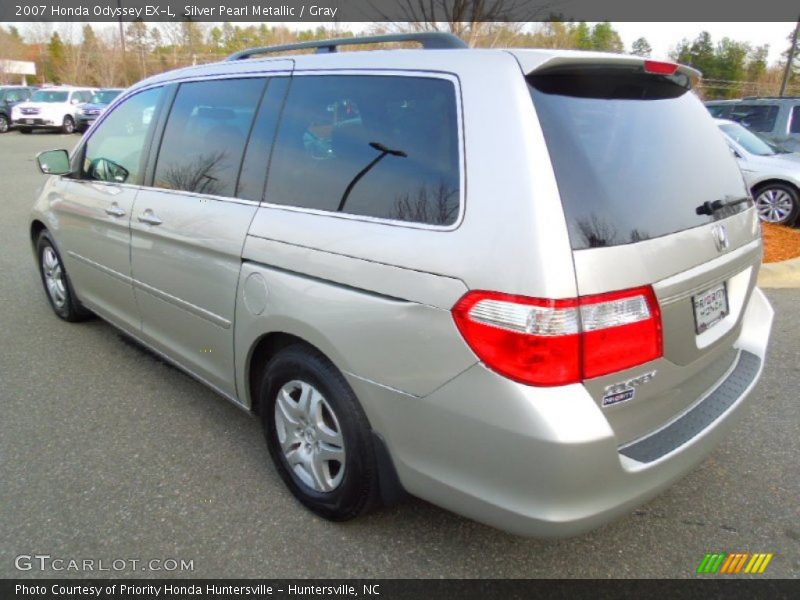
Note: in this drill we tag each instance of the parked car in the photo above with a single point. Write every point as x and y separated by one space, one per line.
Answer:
541 350
53 107
772 174
10 95
94 108
775 118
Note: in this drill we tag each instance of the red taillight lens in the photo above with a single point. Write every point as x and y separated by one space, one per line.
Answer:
660 68
556 342
620 330
529 340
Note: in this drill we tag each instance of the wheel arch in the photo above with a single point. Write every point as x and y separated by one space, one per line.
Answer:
262 351
36 229
773 181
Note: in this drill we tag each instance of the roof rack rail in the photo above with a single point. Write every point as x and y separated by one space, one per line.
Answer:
430 40
770 97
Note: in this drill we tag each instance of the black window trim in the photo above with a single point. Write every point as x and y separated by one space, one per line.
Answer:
165 108
462 162
76 159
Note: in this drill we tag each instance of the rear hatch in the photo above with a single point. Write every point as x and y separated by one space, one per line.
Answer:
652 197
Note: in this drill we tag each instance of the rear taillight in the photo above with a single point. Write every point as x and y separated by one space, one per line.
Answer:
657 67
555 342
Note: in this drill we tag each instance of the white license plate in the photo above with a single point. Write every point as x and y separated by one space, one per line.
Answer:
710 307
29 121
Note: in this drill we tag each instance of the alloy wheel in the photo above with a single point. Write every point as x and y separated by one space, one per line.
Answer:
309 436
774 205
54 277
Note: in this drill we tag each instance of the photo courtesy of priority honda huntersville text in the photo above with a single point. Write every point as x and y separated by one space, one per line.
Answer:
519 284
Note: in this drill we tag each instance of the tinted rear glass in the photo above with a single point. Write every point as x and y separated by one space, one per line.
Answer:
377 146
634 155
205 135
756 117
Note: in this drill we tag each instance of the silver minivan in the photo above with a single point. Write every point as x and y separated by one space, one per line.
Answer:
520 284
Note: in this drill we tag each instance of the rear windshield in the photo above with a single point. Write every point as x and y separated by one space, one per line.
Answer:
634 155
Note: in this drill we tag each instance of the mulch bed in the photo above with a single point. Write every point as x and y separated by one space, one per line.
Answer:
780 242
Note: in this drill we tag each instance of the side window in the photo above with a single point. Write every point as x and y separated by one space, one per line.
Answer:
794 124
374 145
205 136
114 152
259 147
13 96
756 117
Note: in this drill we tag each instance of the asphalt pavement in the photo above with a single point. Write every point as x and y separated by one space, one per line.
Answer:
108 454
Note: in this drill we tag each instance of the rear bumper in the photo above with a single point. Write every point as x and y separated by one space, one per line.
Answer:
543 461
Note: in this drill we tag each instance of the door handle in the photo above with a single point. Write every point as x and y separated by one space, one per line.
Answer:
149 217
115 211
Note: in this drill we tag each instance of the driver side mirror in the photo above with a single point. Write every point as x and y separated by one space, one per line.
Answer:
54 162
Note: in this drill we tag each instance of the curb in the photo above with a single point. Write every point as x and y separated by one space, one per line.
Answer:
785 274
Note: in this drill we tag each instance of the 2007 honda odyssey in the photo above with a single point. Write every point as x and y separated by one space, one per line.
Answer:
517 283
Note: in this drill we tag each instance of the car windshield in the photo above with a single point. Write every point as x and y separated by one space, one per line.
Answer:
49 96
747 139
105 96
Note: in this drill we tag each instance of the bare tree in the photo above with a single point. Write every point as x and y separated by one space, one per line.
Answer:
474 21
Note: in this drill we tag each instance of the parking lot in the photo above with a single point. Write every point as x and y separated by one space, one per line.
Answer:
108 453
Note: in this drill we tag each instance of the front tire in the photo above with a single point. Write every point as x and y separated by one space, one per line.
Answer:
68 125
777 203
318 435
56 282
4 124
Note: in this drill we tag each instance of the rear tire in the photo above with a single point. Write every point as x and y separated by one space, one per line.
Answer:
68 126
56 282
318 435
777 203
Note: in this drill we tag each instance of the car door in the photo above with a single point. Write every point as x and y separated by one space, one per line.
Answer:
189 228
94 211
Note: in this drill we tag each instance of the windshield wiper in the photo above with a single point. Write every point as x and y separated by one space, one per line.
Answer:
709 208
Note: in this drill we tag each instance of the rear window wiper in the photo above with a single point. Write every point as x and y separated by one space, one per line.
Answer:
709 208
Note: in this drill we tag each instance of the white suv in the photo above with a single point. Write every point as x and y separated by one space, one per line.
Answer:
53 107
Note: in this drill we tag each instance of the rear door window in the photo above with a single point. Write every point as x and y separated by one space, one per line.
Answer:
205 136
634 155
371 145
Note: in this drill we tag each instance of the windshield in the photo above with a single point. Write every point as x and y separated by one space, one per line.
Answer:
747 139
49 96
105 96
634 155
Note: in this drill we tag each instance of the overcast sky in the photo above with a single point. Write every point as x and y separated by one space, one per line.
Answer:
662 36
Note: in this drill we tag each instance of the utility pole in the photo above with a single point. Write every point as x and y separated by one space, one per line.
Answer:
790 58
122 43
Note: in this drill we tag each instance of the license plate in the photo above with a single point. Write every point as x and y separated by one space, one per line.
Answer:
29 121
710 307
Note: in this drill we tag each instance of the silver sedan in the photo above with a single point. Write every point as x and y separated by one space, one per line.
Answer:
771 173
